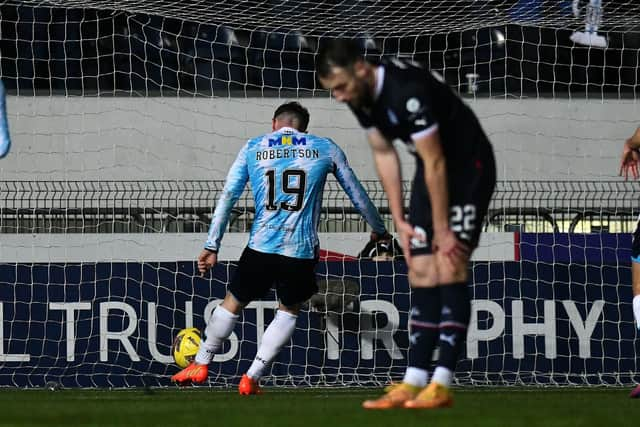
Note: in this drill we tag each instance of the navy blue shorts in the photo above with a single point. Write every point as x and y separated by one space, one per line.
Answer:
635 245
470 192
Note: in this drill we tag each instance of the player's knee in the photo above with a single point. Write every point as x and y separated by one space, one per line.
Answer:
293 309
231 304
422 276
452 274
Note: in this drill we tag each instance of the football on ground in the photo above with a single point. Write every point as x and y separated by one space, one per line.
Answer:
185 346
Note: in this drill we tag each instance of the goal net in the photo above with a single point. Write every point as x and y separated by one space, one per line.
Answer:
125 117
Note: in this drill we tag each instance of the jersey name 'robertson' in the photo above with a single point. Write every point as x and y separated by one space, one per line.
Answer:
282 147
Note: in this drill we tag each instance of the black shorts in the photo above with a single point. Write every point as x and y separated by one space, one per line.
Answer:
293 278
470 191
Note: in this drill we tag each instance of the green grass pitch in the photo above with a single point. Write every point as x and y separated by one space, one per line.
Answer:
189 407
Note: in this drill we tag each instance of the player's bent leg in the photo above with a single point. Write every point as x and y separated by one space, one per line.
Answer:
219 327
277 334
232 304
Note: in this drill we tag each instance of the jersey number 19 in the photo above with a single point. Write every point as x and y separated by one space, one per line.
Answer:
293 182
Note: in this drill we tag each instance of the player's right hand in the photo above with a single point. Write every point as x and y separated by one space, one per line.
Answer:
629 161
406 232
206 260
454 251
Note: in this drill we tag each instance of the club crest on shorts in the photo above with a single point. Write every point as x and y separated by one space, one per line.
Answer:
413 105
419 242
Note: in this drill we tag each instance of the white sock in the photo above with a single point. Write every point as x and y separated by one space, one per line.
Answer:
636 310
416 376
219 327
275 337
442 376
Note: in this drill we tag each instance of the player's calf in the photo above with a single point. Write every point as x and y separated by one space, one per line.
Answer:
454 320
424 320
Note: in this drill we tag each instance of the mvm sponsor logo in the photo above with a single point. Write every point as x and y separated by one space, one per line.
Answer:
287 140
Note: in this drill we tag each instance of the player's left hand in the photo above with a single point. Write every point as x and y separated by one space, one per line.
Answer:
450 246
629 162
206 260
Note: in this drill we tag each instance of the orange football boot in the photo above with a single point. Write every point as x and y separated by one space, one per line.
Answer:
192 374
248 386
395 396
433 396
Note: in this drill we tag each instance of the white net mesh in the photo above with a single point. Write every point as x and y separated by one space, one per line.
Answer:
390 18
105 198
516 48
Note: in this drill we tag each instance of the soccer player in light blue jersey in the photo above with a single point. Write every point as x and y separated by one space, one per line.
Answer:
286 170
5 141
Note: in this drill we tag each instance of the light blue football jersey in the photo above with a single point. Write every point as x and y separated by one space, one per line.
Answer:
287 171
5 141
